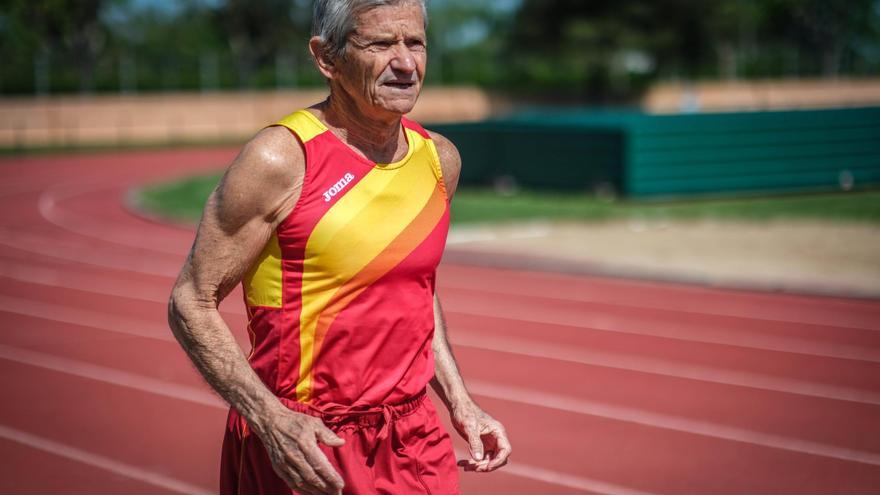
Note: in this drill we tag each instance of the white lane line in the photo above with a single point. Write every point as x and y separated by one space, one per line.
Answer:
514 394
113 233
517 289
675 330
97 284
539 398
85 280
85 318
111 375
65 249
200 396
139 328
101 462
569 481
590 322
574 354
561 479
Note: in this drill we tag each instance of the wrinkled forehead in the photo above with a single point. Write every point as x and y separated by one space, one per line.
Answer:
404 19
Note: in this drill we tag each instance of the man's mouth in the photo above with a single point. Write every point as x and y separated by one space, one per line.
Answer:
399 84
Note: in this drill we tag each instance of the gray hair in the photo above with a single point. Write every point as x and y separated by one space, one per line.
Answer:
333 20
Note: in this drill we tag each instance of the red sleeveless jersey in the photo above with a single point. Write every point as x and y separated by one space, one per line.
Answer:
340 302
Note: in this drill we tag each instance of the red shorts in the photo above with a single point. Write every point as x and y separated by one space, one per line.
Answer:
399 449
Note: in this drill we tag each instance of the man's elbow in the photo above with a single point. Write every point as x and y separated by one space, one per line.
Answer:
177 313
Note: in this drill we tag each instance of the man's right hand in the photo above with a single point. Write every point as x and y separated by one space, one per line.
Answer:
291 439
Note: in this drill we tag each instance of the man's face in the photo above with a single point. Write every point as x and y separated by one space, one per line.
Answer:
384 64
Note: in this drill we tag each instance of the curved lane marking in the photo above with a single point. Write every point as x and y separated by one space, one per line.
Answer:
110 232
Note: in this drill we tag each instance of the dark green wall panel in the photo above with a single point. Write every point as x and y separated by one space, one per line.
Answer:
674 155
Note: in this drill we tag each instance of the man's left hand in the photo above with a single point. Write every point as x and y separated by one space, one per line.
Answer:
487 440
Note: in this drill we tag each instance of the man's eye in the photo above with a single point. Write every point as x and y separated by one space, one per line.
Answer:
382 44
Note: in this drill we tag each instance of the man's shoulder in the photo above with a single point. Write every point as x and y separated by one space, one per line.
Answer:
273 150
263 178
449 156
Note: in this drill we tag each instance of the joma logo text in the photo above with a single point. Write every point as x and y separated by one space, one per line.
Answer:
339 186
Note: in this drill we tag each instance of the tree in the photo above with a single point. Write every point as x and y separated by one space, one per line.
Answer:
828 27
588 47
259 30
71 28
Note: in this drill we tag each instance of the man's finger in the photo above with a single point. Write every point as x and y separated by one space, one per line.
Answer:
502 452
295 481
474 442
322 468
327 437
310 480
499 459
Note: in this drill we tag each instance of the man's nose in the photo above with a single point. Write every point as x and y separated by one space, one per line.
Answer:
403 59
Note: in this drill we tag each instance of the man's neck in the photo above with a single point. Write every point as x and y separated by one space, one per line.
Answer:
380 140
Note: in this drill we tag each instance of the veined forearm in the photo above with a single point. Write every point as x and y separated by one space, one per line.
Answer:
447 381
210 345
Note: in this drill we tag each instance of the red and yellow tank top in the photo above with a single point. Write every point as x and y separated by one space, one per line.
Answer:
340 302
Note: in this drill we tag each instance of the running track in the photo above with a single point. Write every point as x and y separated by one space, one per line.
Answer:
606 386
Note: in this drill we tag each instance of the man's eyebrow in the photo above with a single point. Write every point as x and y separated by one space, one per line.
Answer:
374 37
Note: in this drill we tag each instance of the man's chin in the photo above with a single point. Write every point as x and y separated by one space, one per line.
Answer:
399 107
399 102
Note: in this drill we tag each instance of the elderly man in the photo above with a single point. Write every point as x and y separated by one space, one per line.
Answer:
334 221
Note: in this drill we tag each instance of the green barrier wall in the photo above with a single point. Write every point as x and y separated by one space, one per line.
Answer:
538 155
675 155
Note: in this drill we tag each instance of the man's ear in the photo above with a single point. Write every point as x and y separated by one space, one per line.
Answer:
325 64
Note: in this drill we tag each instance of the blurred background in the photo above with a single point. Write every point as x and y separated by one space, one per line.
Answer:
587 52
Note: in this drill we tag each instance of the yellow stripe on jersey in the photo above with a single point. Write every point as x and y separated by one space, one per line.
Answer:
262 283
304 124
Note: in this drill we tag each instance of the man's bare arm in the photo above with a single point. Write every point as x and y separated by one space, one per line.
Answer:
486 437
447 381
258 190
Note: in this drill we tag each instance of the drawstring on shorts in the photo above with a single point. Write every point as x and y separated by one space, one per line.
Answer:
383 415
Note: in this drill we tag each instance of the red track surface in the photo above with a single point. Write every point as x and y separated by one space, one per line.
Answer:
606 386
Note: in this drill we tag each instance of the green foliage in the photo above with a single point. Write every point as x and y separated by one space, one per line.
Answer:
605 50
596 51
65 34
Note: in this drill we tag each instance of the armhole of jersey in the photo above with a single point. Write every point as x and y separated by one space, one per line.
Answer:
437 167
306 172
435 157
